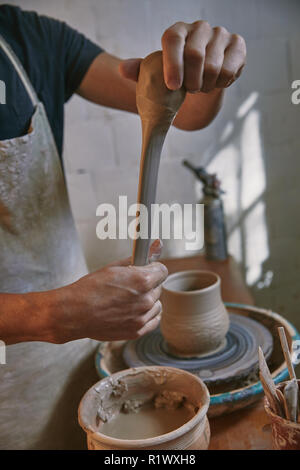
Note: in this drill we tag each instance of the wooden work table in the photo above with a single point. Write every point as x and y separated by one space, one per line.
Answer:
246 429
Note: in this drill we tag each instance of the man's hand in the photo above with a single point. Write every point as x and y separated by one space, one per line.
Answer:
117 302
197 56
205 60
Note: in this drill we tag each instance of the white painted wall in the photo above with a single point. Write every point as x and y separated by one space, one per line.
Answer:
253 144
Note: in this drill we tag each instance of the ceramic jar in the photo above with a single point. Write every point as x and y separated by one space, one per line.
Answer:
194 319
135 384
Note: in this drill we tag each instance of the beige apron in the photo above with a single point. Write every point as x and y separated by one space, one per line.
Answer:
42 383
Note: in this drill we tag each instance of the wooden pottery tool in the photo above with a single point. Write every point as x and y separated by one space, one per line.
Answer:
281 398
286 352
268 384
291 390
291 398
157 107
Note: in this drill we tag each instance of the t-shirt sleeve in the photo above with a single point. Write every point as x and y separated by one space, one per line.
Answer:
79 53
54 47
71 51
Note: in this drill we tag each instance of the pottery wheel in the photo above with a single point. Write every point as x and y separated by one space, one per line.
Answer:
237 359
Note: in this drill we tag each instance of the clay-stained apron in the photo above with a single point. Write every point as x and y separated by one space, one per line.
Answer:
41 384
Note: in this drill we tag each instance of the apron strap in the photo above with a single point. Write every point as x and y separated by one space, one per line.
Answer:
20 70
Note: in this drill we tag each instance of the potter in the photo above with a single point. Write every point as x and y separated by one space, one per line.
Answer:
44 283
194 320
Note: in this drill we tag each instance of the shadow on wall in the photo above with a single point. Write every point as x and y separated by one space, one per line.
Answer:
261 202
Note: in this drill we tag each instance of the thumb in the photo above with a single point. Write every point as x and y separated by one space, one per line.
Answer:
154 254
130 68
155 250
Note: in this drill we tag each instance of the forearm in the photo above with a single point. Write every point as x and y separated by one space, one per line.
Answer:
104 85
26 317
198 110
117 302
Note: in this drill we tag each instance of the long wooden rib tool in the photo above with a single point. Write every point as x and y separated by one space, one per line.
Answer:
291 390
157 107
268 385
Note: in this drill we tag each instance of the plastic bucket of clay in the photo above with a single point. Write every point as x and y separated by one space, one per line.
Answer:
130 387
285 433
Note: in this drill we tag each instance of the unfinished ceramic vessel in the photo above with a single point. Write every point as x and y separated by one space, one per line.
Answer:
146 408
194 319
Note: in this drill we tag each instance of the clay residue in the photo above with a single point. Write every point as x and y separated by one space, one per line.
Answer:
160 410
173 400
111 393
147 418
141 405
167 399
132 406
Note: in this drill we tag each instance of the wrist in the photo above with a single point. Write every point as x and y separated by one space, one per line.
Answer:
26 317
60 313
39 308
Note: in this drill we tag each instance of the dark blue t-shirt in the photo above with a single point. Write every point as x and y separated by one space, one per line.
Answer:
55 57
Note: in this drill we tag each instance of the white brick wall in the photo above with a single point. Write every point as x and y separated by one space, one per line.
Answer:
253 144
